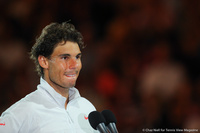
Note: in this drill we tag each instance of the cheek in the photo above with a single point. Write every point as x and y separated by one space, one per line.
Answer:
62 66
57 67
80 66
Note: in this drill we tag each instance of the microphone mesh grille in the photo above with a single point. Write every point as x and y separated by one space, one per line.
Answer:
109 116
95 118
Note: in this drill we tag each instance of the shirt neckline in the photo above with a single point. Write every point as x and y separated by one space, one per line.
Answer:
58 98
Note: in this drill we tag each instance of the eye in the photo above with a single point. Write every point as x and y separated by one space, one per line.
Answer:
78 56
64 57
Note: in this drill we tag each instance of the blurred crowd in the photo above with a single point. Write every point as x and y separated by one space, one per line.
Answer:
141 60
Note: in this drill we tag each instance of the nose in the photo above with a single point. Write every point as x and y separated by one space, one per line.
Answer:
73 64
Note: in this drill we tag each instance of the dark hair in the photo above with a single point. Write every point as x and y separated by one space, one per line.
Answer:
51 36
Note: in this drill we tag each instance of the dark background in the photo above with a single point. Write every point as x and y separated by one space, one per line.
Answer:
141 60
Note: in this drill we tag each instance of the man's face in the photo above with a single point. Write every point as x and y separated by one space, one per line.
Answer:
64 66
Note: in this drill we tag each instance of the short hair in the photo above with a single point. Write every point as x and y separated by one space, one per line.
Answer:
51 36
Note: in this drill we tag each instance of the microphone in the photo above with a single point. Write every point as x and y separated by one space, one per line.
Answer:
110 120
97 121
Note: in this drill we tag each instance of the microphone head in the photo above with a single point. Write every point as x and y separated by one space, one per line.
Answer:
109 117
95 118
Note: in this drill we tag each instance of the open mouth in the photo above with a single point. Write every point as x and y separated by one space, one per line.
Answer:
70 75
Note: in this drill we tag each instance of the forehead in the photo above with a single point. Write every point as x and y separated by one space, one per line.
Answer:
66 48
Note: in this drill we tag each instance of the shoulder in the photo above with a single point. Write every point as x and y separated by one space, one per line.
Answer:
82 104
77 100
23 107
20 116
86 102
16 115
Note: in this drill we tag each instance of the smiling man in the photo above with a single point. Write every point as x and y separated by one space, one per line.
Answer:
56 106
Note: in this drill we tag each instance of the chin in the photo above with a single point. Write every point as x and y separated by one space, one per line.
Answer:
70 85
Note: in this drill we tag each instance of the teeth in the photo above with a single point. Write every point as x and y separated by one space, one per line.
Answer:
71 75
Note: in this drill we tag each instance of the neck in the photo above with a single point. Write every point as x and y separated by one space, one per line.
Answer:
59 89
62 91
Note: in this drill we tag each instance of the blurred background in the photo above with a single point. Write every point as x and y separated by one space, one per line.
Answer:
141 60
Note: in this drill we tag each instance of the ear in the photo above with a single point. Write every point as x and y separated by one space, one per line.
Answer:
43 61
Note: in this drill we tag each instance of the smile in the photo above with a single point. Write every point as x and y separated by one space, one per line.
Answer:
71 75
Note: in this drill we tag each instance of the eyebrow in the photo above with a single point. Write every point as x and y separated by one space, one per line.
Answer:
79 54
